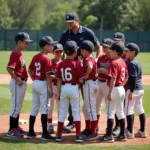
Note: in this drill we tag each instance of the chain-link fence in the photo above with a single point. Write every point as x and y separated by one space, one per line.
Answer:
7 37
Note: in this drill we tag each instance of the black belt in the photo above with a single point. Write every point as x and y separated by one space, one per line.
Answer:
69 83
102 80
117 85
41 80
24 79
55 84
91 79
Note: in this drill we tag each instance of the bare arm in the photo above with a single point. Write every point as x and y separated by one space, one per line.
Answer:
11 72
99 51
49 80
30 73
112 84
88 71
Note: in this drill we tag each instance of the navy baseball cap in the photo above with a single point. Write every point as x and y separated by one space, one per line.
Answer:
70 17
58 47
118 47
107 42
118 36
23 37
87 45
70 47
133 47
46 40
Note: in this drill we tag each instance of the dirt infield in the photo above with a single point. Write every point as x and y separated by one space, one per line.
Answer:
70 138
4 79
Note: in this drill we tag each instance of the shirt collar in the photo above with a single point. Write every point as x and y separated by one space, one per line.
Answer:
79 31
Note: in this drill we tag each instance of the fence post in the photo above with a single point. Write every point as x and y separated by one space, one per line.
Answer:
5 40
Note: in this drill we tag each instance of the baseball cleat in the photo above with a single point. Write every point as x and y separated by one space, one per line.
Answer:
14 133
46 137
21 130
58 138
116 131
129 135
107 138
31 135
51 129
140 134
79 139
91 137
65 130
70 126
122 138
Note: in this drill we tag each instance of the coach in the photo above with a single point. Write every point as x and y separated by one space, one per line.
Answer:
77 33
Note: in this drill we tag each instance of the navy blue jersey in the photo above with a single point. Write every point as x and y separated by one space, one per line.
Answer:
135 70
83 34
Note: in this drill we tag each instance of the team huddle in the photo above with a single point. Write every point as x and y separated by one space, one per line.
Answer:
113 77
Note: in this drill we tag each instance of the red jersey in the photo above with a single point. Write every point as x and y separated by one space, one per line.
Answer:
90 61
70 71
118 70
40 65
103 62
54 69
17 63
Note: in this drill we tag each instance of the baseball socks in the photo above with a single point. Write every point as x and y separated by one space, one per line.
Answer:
78 127
130 120
142 122
59 128
110 123
122 126
93 126
12 123
31 123
88 124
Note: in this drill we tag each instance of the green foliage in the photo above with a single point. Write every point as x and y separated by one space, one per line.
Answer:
56 13
27 14
5 18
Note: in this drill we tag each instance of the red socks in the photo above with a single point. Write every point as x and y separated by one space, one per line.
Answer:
59 128
78 127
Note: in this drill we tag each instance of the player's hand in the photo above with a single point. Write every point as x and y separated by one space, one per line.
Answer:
80 59
19 82
130 96
109 98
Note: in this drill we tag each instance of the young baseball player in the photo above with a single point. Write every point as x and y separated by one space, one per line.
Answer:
17 69
118 37
103 64
58 53
135 92
39 71
90 89
115 100
69 74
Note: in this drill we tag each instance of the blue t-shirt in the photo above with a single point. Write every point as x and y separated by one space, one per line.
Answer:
135 70
83 34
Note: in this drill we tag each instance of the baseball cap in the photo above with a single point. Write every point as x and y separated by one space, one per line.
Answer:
87 45
23 37
58 47
46 40
107 42
70 17
118 36
133 47
70 47
118 47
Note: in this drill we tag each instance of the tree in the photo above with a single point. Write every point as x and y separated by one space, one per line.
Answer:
117 14
5 18
27 14
56 11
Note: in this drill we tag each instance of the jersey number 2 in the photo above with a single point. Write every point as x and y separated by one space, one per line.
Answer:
38 67
66 74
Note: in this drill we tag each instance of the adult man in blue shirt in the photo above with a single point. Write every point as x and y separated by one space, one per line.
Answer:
77 33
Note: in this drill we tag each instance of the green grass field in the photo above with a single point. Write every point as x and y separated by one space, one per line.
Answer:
144 58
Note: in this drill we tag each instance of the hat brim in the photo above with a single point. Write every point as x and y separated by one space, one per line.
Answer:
54 42
117 39
29 41
106 45
58 50
69 20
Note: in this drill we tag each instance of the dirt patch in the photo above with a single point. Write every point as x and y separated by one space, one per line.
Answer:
70 138
5 78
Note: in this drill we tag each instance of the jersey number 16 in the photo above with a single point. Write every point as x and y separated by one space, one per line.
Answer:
66 74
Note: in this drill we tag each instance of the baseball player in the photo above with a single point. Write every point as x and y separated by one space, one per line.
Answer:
77 33
58 53
135 92
118 37
39 71
103 64
115 100
69 74
17 69
90 89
